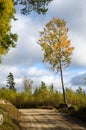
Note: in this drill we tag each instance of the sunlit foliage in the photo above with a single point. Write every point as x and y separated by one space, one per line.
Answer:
7 38
56 46
43 96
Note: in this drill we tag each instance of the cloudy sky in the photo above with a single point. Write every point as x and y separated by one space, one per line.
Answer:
26 59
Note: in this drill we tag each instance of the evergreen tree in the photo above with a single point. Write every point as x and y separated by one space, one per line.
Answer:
10 81
39 6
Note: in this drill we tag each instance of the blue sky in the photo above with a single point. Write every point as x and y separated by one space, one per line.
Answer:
26 58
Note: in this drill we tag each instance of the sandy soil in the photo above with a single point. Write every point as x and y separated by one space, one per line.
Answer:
42 119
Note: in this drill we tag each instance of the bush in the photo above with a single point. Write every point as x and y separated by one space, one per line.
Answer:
80 114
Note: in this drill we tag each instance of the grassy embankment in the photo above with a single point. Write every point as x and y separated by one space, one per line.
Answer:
10 116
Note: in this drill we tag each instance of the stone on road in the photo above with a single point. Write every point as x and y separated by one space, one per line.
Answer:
42 119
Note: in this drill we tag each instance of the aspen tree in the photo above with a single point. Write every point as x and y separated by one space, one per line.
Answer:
56 46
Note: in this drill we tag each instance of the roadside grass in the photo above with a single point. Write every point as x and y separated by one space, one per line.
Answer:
10 115
75 113
80 114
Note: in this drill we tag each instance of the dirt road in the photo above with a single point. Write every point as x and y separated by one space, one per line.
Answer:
41 119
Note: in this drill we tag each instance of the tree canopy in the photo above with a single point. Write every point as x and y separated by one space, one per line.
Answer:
7 38
55 44
39 6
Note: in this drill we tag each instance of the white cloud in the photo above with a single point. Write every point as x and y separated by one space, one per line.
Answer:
19 84
78 58
27 51
33 71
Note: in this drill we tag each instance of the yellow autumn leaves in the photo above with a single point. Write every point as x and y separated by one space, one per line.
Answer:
6 14
55 43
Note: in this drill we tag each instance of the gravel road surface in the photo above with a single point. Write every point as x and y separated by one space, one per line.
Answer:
42 119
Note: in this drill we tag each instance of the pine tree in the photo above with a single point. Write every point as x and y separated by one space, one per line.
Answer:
39 6
10 81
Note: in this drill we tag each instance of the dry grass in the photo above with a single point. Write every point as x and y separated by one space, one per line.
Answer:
10 114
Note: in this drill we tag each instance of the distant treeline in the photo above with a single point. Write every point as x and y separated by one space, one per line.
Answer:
43 96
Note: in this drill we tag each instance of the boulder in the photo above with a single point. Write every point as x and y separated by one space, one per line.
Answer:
1 119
